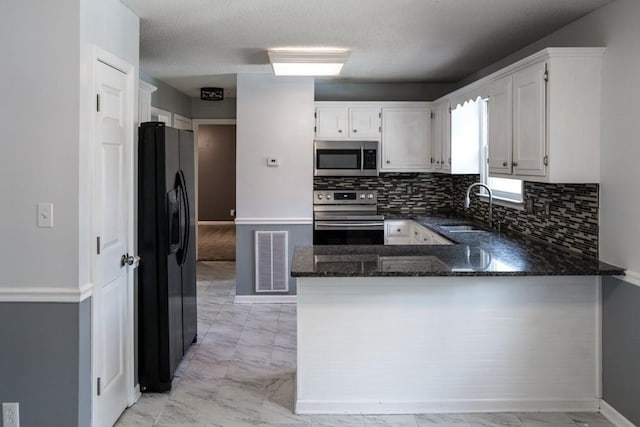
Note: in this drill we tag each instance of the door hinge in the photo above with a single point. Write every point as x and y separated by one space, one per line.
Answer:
379 115
98 387
98 245
450 110
433 116
545 160
487 160
546 73
98 102
314 129
380 129
315 115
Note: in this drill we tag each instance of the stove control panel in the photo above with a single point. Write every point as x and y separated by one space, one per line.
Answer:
344 197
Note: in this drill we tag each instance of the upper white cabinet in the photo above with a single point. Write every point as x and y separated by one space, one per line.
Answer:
543 117
441 137
364 122
182 122
331 123
144 100
347 121
406 135
499 125
529 98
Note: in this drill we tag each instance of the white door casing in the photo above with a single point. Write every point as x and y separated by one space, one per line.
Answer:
112 313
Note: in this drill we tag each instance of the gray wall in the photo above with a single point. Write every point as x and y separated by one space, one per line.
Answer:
349 91
225 109
299 235
45 362
621 347
167 97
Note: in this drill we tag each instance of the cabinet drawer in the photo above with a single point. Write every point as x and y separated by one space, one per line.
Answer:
397 228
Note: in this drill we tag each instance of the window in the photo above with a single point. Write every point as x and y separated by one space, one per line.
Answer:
502 188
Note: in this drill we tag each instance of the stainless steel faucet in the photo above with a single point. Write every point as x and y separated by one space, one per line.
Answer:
467 200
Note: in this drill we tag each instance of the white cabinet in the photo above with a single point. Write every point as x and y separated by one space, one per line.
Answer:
529 87
499 125
331 123
397 232
406 134
543 117
364 122
409 232
182 122
347 121
144 100
441 137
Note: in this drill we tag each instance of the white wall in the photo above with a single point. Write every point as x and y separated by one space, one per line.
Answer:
39 156
616 27
274 119
45 115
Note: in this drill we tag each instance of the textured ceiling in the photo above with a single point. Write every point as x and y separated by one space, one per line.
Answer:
194 43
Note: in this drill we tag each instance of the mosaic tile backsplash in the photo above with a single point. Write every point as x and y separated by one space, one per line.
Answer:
399 193
571 221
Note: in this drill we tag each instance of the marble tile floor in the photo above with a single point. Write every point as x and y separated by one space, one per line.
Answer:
242 373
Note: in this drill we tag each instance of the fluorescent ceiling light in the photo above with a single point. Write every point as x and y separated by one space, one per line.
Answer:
307 61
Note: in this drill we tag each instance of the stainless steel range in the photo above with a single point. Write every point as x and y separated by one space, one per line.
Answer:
345 217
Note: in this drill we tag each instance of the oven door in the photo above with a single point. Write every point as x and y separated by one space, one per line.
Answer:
348 233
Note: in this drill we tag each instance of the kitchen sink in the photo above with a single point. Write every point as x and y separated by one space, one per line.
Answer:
462 228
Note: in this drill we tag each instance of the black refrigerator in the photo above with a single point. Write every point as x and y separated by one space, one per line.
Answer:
167 320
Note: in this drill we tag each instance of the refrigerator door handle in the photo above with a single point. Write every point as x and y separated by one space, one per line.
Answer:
187 216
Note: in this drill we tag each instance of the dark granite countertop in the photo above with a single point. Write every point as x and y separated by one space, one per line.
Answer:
474 254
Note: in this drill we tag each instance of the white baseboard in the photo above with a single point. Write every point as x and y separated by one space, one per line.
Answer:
614 416
450 406
265 299
135 395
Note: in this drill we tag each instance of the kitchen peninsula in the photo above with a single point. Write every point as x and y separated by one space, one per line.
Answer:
495 322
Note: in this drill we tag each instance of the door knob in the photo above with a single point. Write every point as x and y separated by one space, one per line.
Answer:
515 164
127 259
504 164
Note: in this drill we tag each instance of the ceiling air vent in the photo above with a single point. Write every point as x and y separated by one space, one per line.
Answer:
272 271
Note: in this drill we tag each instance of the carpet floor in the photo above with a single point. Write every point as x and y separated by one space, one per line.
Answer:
216 242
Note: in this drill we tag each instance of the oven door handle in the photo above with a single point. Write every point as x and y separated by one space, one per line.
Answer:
319 225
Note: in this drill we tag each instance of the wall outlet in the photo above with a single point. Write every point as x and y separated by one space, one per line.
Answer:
273 162
11 414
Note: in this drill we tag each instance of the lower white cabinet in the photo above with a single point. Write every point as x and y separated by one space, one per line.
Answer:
409 232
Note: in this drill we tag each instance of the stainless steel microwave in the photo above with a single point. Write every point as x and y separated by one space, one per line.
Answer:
345 158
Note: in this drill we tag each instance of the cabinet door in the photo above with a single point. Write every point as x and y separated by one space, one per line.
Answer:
406 136
445 136
436 139
529 120
364 123
331 122
499 126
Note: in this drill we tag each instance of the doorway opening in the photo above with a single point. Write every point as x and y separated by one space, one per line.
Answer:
216 190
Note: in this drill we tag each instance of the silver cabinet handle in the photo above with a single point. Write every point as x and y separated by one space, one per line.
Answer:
355 130
388 161
339 130
515 164
505 164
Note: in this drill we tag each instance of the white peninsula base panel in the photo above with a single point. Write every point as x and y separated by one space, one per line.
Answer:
389 345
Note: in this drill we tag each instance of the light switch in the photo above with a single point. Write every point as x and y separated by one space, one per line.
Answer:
273 162
45 215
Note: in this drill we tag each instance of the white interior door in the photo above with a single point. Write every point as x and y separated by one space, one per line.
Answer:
111 207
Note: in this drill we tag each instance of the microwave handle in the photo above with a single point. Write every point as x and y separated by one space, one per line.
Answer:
362 157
